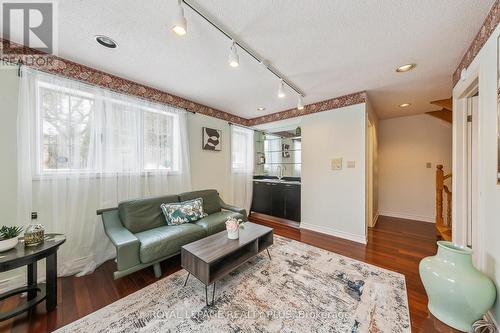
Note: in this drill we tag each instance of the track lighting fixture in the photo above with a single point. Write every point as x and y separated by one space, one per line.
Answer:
300 103
180 28
281 90
180 23
234 59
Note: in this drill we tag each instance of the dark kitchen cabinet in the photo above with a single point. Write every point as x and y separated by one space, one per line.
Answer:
291 199
262 198
277 199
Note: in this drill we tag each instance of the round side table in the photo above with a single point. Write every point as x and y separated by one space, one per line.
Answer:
28 256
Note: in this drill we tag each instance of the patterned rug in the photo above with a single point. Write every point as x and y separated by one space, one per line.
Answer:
302 289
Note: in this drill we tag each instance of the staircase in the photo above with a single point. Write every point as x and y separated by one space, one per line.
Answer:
443 225
445 113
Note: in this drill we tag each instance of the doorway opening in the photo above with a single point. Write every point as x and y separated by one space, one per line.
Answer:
465 230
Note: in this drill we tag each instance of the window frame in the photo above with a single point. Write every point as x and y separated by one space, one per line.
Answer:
99 121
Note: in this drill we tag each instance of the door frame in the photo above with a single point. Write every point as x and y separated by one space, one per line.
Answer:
460 199
370 218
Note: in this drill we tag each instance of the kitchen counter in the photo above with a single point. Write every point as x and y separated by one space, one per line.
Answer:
277 181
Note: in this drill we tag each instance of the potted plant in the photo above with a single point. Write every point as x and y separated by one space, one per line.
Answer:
233 226
8 237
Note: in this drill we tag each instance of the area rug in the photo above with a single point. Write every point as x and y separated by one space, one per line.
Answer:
301 289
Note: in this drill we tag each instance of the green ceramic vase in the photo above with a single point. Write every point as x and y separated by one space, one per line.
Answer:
458 293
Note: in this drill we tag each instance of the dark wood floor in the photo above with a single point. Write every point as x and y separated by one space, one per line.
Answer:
394 244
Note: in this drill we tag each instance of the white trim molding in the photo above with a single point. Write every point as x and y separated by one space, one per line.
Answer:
406 216
375 220
334 232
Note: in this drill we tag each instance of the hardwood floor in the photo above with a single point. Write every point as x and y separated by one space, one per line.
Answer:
395 244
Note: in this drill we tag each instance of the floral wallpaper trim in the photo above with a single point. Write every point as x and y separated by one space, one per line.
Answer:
334 103
15 53
489 25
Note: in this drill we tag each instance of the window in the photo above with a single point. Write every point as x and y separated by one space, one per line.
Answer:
66 130
242 158
82 131
158 142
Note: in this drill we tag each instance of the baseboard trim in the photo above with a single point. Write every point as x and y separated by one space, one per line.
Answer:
423 218
13 282
375 220
333 232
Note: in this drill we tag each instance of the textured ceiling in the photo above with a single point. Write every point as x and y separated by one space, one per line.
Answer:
327 48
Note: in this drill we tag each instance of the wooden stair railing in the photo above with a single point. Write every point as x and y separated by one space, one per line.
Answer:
443 226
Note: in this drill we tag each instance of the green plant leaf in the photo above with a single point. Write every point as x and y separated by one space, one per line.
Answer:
10 232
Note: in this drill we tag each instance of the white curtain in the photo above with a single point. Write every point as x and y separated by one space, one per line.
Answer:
242 166
81 148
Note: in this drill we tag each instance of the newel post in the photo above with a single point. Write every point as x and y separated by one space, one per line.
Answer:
439 194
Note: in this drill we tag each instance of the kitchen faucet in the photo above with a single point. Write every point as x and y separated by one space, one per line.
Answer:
280 173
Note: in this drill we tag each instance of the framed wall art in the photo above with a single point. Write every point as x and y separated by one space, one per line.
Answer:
211 139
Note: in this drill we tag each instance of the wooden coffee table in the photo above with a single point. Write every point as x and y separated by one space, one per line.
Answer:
213 257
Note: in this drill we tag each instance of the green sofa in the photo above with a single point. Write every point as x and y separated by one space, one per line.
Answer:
138 230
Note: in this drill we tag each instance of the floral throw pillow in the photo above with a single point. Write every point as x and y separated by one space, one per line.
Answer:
183 212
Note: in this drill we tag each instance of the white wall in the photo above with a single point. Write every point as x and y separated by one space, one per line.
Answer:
209 169
406 187
333 201
485 67
9 83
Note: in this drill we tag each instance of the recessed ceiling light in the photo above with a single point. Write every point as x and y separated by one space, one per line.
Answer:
261 108
405 68
106 41
404 105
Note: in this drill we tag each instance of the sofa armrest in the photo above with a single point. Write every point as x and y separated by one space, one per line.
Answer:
125 242
225 206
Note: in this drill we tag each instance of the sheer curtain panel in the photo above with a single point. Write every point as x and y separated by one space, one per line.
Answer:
242 166
81 148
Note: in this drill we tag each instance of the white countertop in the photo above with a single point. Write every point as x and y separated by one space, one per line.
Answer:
277 181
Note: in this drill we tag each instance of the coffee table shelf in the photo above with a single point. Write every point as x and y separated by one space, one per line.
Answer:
226 264
212 258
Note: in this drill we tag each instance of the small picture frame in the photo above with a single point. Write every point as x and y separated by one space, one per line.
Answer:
211 139
285 153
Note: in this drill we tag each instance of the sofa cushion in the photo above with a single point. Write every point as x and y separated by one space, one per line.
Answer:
144 214
211 203
167 240
216 222
183 212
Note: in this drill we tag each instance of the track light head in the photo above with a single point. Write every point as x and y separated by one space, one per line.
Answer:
281 90
180 22
300 103
234 59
